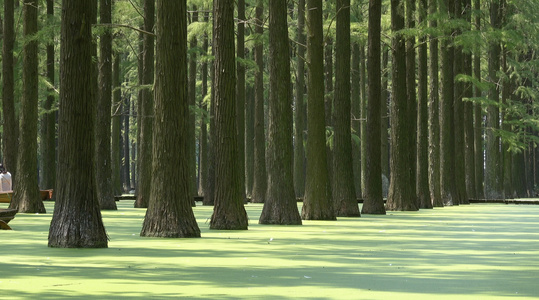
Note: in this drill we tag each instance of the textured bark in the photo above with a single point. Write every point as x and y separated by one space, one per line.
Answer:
434 115
116 126
458 127
280 206
401 193
493 178
48 121
447 137
385 116
203 158
356 118
192 102
146 111
422 171
317 204
26 190
169 211
10 121
300 109
363 118
240 91
373 202
344 194
105 195
76 221
260 180
228 212
478 119
411 95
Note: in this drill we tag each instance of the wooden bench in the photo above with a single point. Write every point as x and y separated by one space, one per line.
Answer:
6 215
5 197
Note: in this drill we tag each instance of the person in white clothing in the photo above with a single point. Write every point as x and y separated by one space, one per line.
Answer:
5 179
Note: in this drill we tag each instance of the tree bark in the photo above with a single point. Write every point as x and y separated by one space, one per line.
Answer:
228 212
317 204
203 160
280 206
300 110
76 221
146 111
116 126
192 102
411 96
240 91
169 211
356 117
478 115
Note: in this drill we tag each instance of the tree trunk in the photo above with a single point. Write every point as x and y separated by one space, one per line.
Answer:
356 118
76 221
26 190
116 126
493 179
105 194
373 202
11 123
300 110
203 161
240 92
344 194
385 121
458 127
317 204
229 212
192 79
422 171
146 111
48 121
411 95
280 206
260 180
478 115
401 193
169 211
363 119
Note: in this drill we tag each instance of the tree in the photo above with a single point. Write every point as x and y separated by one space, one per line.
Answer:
317 204
48 121
401 193
493 179
280 206
260 180
240 92
203 164
228 212
169 211
146 111
76 221
11 123
374 203
26 190
299 105
105 194
191 104
478 116
116 128
422 183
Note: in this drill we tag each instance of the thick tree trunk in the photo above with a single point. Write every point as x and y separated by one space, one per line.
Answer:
240 91
229 212
105 194
169 211
280 206
401 193
260 180
146 111
76 221
343 189
300 110
26 190
317 204
373 202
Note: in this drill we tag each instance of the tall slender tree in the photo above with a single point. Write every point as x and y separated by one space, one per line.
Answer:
458 114
48 121
343 188
280 206
478 115
317 204
356 117
260 180
146 111
105 194
203 160
169 211
76 221
240 90
228 211
191 90
374 203
26 190
116 125
299 105
401 193
10 142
